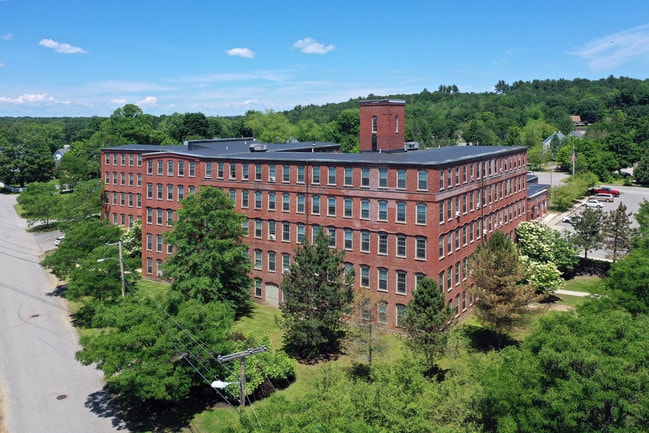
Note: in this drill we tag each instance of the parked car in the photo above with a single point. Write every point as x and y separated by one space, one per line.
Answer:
604 197
571 219
605 190
58 240
593 203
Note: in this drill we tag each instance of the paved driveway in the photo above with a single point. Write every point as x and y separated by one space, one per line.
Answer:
45 390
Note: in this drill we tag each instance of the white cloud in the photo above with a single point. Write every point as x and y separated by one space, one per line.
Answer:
311 46
28 98
612 50
149 100
2 65
7 37
241 52
60 48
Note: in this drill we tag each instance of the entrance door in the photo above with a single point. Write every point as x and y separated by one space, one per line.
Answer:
272 295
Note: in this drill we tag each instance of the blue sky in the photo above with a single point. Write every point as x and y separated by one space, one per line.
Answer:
85 58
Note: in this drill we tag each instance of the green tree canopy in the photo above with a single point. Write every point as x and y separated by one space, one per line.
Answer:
427 321
318 293
210 261
502 300
40 202
617 233
588 234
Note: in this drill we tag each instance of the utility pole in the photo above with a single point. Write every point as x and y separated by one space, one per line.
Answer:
242 371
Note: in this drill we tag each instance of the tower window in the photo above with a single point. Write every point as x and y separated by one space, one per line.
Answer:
374 124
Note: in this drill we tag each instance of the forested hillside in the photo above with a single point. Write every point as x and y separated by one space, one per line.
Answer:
615 112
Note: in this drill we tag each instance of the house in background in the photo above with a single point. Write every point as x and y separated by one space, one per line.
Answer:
60 152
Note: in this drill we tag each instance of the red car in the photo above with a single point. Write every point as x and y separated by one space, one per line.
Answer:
605 190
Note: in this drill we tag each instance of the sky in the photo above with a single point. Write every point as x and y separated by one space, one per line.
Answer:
88 58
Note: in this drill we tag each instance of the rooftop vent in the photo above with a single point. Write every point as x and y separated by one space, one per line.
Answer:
258 147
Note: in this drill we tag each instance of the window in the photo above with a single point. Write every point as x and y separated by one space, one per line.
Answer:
170 218
300 233
348 181
158 243
441 282
420 249
441 247
349 243
114 178
383 177
374 124
149 242
272 230
449 177
421 213
382 312
233 196
449 243
181 192
365 276
449 209
401 283
149 215
271 201
159 217
331 207
170 192
272 173
449 278
244 171
258 199
149 190
396 125
401 246
245 199
149 266
422 180
286 232
138 200
233 170
383 243
441 212
441 179
401 312
300 174
286 173
160 166
332 237
208 170
130 179
286 262
258 229
365 177
286 202
401 212
300 203
383 210
457 239
365 209
159 191
192 169
383 279
457 274
365 241
401 179
332 176
258 259
348 208
257 171
272 261
258 288
219 170
315 174
315 205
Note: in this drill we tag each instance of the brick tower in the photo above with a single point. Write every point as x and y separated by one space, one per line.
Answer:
382 125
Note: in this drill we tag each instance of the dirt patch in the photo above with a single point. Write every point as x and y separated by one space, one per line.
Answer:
560 307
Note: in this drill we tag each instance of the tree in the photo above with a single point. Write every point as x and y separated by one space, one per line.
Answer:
427 321
627 279
642 217
158 349
210 261
270 127
585 373
502 301
40 201
26 154
588 235
545 245
617 233
318 293
641 171
80 241
82 203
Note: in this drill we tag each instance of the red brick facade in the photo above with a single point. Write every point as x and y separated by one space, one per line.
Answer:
398 216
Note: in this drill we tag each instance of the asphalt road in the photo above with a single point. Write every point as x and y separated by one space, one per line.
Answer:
44 388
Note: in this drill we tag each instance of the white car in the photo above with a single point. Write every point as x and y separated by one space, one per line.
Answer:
593 203
58 240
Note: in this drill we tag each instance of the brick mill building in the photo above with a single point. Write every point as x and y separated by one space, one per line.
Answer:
399 213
